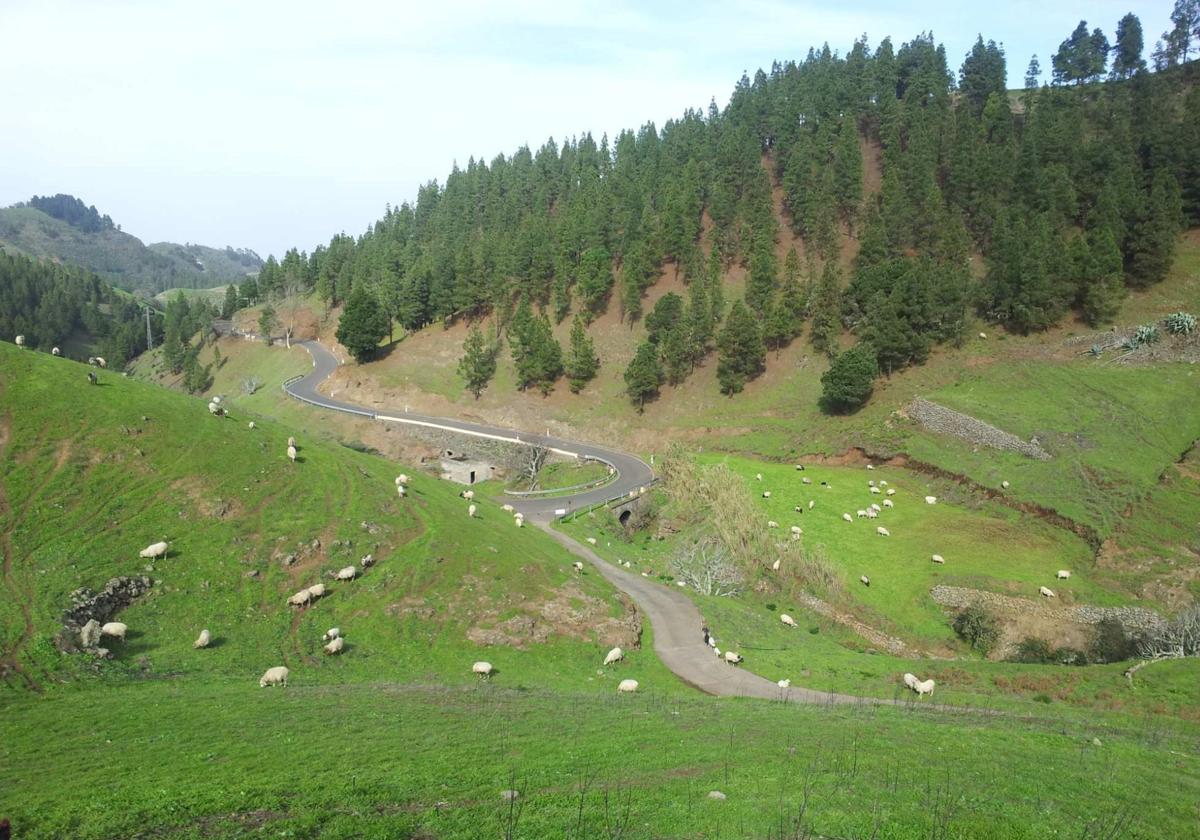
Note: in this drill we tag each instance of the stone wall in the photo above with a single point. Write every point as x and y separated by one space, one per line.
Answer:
1131 618
100 607
946 421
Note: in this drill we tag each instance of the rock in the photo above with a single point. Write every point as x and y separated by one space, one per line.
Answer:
509 795
1096 742
253 573
289 560
717 795
89 635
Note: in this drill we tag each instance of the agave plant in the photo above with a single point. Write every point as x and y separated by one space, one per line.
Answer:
1180 323
1146 334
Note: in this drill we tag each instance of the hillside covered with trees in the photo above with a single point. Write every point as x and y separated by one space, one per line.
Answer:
63 229
893 171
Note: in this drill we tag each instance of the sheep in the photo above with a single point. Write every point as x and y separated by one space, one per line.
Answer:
251 425
875 507
911 681
798 509
931 500
274 676
758 476
203 640
471 510
1063 574
627 686
799 468
483 669
348 573
774 566
520 522
796 532
291 453
766 494
19 341
317 590
158 549
468 494
92 380
100 362
401 479
784 683
734 658
1046 593
214 409
870 466
300 599
507 508
889 503
883 532
1004 484
871 483
864 580
591 540
876 490
54 351
115 629
331 634
367 562
847 517
872 513
882 482
788 620
578 567
335 646
217 399
291 443
771 523
983 335
614 655
923 688
806 480
939 559
891 491
860 514
400 491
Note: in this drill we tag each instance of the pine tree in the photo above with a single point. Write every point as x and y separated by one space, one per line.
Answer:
363 325
546 355
1102 296
742 354
673 348
777 329
595 280
666 315
826 310
698 320
644 375
716 288
1150 246
760 286
1127 53
230 305
267 321
848 383
582 362
478 363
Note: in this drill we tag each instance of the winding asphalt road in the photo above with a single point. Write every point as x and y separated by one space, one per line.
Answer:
677 624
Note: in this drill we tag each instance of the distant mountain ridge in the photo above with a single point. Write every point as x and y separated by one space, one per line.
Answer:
63 229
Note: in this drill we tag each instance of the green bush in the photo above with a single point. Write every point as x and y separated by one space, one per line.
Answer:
1180 323
1111 643
978 628
1033 651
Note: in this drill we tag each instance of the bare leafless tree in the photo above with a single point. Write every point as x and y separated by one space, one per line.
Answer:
533 458
708 568
1178 638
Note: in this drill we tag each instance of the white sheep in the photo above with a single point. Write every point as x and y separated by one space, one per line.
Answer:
860 514
758 476
468 495
923 688
54 351
766 494
203 640
300 599
788 620
876 490
911 681
335 646
291 453
882 483
578 567
471 510
771 523
864 580
251 425
507 508
847 517
520 521
347 573
483 669
331 634
614 655
1004 484
627 686
871 483
1063 574
983 335
1046 593
734 658
317 590
400 491
367 562
784 683
870 466
158 549
806 480
19 341
291 443
883 532
115 629
401 479
931 500
889 503
274 676
100 362
811 504
875 507
796 532
774 567
891 491
214 409
939 559
872 513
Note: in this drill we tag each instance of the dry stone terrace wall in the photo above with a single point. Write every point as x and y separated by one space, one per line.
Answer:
100 607
1131 618
946 421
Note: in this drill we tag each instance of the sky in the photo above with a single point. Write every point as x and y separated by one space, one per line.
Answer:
269 125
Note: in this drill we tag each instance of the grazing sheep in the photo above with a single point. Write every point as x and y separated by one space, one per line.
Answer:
401 479
872 513
771 523
54 351
889 503
923 688
507 508
931 500
882 483
871 483
251 425
367 562
983 335
734 658
799 467
203 640
798 509
213 408
774 566
158 549
520 521
115 629
291 453
331 634
875 507
796 532
766 494
274 676
19 341
578 567
1046 593
911 681
348 573
291 443
883 532
811 504
471 510
1063 574
614 655
1004 484
300 599
217 399
335 646
483 669
891 491
939 559
758 476
806 480
468 494
317 590
864 580
91 360
100 362
788 620
860 514
876 490
591 540
627 686
847 517
92 380
870 466
784 683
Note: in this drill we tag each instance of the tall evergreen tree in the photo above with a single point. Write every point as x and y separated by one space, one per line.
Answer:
676 360
742 353
582 363
362 326
826 310
848 383
231 303
983 73
1127 52
644 375
478 363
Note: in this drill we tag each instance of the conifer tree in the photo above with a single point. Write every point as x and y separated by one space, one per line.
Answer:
267 321
582 362
673 348
644 375
363 325
760 286
478 363
826 310
230 305
848 383
1105 288
742 353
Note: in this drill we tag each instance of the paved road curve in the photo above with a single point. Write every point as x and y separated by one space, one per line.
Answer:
677 624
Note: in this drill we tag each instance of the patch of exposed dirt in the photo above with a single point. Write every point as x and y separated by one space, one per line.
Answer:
203 502
569 614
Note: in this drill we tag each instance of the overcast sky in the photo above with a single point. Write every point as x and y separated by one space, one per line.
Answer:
273 124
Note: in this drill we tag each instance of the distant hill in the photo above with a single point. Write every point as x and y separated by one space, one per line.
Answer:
62 229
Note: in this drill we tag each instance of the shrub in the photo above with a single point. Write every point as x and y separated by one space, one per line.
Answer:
1111 643
978 628
1180 323
848 383
1033 651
